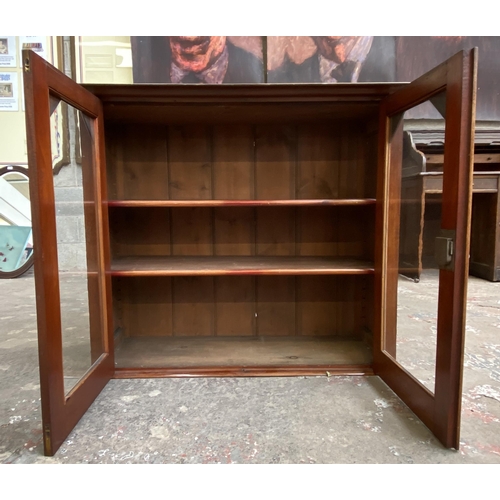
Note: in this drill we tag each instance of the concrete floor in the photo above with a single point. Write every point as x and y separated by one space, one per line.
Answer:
259 420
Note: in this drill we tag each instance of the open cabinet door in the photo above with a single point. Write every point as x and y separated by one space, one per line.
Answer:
416 322
66 163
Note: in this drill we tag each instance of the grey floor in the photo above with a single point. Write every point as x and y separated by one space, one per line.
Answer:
256 420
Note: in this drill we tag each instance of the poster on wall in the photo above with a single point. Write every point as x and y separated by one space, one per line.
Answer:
8 52
9 95
330 59
197 59
35 43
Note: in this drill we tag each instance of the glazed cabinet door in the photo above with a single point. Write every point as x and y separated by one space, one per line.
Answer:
425 217
66 162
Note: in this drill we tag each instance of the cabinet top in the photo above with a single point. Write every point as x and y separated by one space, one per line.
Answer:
261 92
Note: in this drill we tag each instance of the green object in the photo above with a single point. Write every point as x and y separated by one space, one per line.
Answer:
13 247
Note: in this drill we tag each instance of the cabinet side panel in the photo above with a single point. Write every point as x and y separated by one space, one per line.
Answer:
318 155
234 306
276 305
139 231
146 306
233 162
189 161
276 153
193 306
234 231
275 230
192 231
137 162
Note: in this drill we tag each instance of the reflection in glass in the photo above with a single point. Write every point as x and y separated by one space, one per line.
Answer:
418 215
16 240
73 170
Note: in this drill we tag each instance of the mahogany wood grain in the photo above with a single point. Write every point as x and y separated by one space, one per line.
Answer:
275 162
146 307
237 265
210 352
192 231
61 412
140 232
193 306
275 306
233 162
275 232
246 371
440 412
235 307
234 231
318 157
239 203
189 163
135 157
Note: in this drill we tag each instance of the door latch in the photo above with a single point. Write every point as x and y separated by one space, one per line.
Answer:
444 249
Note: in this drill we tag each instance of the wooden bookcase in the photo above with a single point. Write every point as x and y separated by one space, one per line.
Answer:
244 230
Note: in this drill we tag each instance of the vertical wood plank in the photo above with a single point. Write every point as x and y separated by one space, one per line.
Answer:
137 162
275 230
318 231
193 306
276 305
235 306
275 155
192 231
318 153
233 162
234 231
190 168
143 231
318 306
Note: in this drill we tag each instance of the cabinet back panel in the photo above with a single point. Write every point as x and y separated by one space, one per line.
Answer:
146 306
318 161
140 232
335 231
234 231
242 306
275 230
189 163
233 162
192 231
327 160
234 306
136 162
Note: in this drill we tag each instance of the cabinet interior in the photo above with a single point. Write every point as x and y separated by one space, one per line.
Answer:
242 235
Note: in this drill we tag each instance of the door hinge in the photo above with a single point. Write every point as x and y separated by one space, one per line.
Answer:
444 249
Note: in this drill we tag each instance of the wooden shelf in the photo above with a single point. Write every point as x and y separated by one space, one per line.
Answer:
177 352
237 265
239 203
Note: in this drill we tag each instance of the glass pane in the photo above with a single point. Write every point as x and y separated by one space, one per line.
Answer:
73 169
16 239
416 213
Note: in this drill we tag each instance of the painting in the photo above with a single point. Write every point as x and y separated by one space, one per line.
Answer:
197 59
330 59
417 54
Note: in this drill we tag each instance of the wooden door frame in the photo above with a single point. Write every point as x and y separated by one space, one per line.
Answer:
60 411
439 411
